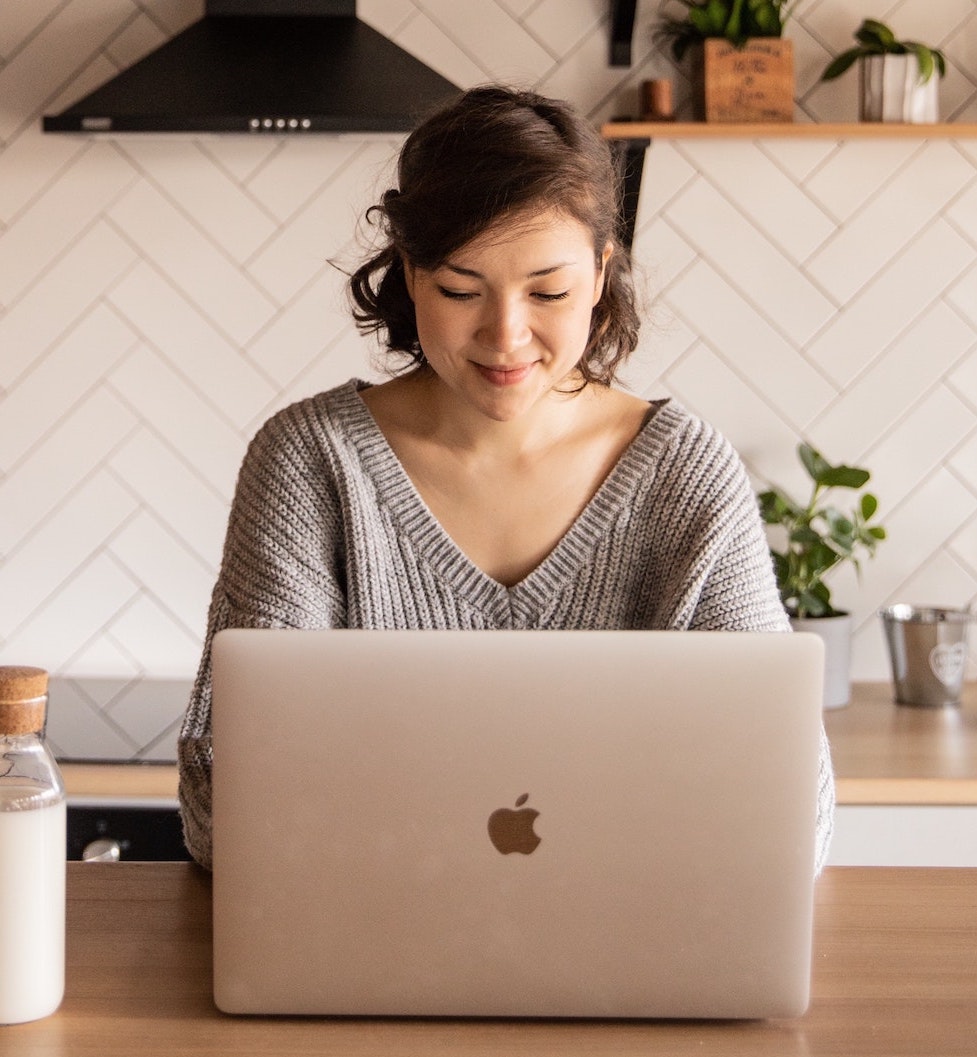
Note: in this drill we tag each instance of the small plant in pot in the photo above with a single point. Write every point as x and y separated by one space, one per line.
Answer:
898 78
742 69
818 537
735 21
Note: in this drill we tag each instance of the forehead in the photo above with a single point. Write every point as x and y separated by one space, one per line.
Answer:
535 233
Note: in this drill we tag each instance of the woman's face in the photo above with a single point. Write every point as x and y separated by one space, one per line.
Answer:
506 318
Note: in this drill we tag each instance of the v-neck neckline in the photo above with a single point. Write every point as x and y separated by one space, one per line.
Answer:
575 548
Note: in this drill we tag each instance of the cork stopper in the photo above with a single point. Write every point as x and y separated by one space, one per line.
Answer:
23 699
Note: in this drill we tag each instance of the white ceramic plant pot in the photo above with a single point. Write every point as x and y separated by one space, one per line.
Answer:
890 90
835 632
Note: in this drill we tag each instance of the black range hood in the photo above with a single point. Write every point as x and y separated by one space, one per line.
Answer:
266 66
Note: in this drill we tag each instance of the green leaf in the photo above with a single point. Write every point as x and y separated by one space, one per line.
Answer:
869 505
764 19
929 60
841 64
821 592
802 532
924 60
843 477
842 528
814 603
780 566
719 15
820 558
813 462
734 24
699 20
767 502
874 32
776 507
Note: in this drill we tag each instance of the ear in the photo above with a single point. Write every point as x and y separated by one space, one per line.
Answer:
602 272
408 276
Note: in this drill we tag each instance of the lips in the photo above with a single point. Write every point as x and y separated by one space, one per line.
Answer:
508 375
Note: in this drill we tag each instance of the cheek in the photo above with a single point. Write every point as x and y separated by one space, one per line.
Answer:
436 324
424 307
577 326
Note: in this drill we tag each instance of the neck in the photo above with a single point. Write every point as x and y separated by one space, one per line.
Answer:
450 422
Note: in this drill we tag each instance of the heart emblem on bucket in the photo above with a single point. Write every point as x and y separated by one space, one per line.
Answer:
946 662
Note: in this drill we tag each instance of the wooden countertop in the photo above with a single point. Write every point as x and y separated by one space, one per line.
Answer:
883 753
895 974
120 780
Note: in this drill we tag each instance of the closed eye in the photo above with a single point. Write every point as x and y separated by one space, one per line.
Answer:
470 295
457 295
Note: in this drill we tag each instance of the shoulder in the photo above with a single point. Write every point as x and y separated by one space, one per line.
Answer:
309 428
690 446
690 466
313 414
290 481
301 451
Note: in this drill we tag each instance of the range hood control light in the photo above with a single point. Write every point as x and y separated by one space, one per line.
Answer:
279 124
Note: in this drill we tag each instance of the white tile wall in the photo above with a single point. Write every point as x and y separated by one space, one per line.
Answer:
159 297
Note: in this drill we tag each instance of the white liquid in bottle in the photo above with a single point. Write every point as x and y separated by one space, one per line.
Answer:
32 912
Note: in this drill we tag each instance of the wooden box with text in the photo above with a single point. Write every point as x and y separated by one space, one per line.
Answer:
751 83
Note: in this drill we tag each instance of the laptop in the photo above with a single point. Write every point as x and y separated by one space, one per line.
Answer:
514 823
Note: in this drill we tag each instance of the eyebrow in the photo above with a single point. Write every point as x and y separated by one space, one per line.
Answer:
470 273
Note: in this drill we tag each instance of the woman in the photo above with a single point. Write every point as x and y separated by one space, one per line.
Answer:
498 480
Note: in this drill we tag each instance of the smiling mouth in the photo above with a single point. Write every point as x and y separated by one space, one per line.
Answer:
503 376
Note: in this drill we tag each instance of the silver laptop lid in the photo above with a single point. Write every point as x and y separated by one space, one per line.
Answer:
609 824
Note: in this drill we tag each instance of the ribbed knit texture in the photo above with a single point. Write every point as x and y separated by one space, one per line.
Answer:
327 530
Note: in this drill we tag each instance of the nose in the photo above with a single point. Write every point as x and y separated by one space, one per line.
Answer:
504 326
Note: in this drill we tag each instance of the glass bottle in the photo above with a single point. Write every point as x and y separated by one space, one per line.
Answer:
32 853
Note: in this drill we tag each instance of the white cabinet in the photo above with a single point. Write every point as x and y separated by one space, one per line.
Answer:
904 835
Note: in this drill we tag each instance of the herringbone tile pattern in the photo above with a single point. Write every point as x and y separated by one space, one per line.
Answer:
161 296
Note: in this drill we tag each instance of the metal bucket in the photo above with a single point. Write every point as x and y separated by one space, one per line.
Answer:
928 652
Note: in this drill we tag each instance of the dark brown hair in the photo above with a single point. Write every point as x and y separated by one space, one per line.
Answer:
495 153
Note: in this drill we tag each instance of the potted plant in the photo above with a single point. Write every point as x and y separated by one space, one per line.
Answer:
818 537
897 79
744 69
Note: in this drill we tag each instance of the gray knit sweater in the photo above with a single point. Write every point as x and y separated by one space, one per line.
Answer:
327 530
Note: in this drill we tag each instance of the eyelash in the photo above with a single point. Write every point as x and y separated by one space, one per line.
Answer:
463 295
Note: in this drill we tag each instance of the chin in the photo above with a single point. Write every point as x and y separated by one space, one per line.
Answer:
505 412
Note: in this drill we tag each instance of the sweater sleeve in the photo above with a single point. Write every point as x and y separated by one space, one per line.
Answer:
739 592
826 804
281 567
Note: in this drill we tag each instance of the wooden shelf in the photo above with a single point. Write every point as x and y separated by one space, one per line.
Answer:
784 130
629 140
886 753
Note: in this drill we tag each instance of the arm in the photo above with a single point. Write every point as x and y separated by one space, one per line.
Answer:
738 591
281 567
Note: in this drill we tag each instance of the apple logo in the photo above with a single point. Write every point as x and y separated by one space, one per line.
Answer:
512 830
